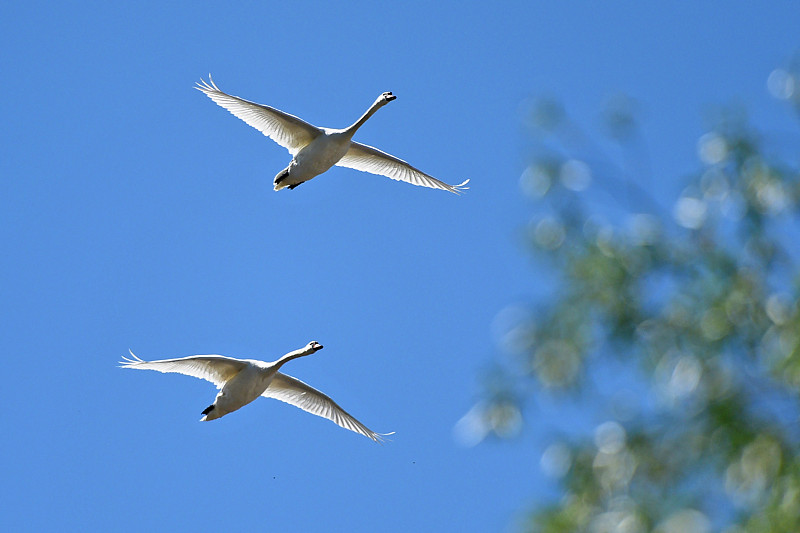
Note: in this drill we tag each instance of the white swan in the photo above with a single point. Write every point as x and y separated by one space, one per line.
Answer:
243 380
315 150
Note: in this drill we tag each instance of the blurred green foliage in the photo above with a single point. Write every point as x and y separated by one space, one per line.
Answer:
698 300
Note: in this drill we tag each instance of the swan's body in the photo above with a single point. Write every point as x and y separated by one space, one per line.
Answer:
314 150
243 380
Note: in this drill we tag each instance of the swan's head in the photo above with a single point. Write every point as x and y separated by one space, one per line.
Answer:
313 346
386 97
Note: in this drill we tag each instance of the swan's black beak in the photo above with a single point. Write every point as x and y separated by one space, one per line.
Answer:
390 97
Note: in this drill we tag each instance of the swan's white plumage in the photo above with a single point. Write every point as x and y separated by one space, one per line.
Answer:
295 134
214 368
295 392
243 380
370 159
287 130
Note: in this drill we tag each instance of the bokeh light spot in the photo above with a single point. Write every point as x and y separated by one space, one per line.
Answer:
575 175
781 84
712 148
556 460
690 212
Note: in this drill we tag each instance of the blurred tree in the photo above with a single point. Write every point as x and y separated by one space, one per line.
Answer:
692 314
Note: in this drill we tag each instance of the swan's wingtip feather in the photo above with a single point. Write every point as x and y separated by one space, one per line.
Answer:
460 188
207 86
128 362
380 438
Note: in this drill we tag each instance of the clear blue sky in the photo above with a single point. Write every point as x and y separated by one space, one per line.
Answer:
135 213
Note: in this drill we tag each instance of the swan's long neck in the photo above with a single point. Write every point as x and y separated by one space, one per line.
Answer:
293 355
380 102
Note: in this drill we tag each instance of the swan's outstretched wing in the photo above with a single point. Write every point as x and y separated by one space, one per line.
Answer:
289 131
214 368
293 391
368 159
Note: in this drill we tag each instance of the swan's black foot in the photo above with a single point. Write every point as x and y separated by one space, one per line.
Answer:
295 185
208 409
282 176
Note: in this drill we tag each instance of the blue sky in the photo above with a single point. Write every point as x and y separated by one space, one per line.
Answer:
135 213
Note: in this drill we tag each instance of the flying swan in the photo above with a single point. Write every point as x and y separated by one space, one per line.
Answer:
315 150
243 380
